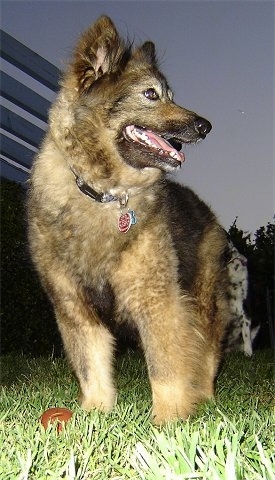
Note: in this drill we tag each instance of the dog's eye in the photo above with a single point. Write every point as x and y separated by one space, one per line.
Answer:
151 94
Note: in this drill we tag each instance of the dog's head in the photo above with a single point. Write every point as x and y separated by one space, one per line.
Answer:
119 98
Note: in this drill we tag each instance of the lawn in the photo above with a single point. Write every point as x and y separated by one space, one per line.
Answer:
231 438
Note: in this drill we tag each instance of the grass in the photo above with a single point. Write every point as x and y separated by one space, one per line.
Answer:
229 439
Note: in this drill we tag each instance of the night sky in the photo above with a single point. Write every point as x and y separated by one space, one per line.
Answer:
218 58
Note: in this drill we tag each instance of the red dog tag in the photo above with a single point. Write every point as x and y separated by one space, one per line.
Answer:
124 222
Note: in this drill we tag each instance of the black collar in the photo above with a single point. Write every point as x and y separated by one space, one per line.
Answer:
90 192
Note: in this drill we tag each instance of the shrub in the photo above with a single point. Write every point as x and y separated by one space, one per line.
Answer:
27 320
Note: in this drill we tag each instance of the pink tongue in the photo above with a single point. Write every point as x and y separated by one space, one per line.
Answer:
160 142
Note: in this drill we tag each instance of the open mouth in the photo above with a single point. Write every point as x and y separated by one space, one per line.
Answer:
168 148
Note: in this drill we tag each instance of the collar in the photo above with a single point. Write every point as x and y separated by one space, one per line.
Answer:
99 196
90 192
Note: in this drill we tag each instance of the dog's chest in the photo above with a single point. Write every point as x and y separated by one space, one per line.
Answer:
93 241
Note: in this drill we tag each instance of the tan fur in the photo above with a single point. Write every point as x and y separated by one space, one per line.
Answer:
168 283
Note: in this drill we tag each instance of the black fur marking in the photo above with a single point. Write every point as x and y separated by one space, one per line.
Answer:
186 231
102 300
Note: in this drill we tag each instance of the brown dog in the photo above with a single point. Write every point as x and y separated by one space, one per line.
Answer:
114 240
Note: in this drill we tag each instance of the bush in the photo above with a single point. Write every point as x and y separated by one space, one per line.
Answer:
260 255
27 320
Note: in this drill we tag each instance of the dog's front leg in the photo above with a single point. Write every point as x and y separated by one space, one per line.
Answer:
173 351
88 345
167 320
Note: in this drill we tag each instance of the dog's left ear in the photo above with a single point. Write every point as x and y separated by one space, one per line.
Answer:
147 53
100 51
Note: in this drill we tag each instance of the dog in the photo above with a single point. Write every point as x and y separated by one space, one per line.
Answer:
240 332
114 240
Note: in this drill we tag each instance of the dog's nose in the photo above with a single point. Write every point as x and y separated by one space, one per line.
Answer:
202 126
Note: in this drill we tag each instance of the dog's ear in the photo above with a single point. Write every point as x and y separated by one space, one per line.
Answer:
147 53
99 51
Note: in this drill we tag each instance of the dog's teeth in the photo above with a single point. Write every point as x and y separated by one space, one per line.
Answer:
144 137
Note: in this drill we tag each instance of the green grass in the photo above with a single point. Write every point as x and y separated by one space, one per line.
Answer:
229 439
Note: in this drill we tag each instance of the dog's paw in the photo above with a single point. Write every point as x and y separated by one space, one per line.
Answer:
100 401
170 402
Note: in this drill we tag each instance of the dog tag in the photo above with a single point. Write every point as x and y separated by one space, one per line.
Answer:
126 220
133 217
